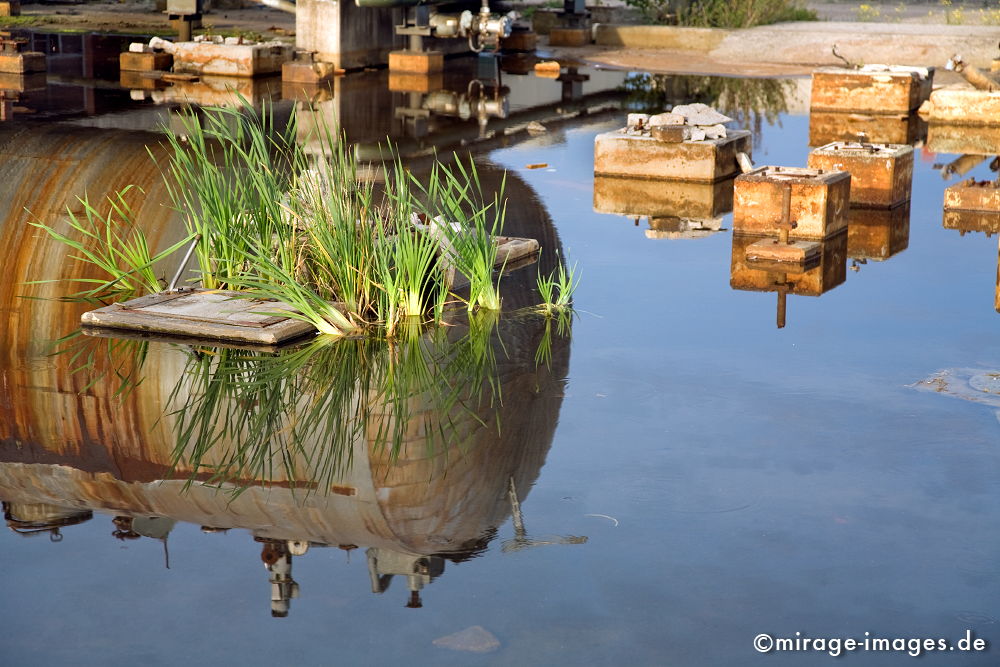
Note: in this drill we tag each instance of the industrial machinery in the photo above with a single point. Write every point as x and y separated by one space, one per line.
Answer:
483 30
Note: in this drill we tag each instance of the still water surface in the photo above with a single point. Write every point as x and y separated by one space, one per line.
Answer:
730 478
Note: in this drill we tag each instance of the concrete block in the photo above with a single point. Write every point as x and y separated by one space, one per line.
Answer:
23 83
405 82
819 201
828 126
889 91
878 233
10 8
522 40
961 105
416 62
971 221
617 154
129 61
242 60
569 37
973 195
641 197
308 72
815 279
25 62
881 174
792 253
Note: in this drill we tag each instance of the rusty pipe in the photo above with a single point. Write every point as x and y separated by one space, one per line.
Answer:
972 74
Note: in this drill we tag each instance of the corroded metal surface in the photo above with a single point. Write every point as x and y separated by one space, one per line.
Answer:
617 154
819 201
881 174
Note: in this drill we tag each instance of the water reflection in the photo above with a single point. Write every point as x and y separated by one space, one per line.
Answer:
813 279
877 233
674 209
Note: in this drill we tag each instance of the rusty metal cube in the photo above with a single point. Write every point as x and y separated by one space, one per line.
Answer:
881 174
892 90
819 201
640 197
636 156
878 233
815 279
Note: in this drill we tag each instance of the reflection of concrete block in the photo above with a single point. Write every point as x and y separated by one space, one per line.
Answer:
963 106
816 278
971 221
569 37
963 140
881 175
631 197
878 233
889 91
416 62
617 154
972 195
406 82
827 126
25 62
819 201
130 61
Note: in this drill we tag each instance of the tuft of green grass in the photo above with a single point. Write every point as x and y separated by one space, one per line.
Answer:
556 289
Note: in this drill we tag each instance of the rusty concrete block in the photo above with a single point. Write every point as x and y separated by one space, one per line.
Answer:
25 62
242 60
416 62
521 40
815 279
641 197
963 139
569 37
794 254
973 195
962 105
890 91
828 126
308 72
878 233
404 82
617 154
819 201
145 62
10 8
881 174
971 221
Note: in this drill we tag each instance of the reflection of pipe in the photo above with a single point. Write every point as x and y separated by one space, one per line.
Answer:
961 165
972 74
278 4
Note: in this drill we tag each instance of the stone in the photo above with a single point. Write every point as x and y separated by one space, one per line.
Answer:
665 119
637 120
139 47
669 133
695 134
474 639
819 201
714 131
700 114
881 174
534 127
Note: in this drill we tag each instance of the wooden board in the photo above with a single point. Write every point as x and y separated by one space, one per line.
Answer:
205 314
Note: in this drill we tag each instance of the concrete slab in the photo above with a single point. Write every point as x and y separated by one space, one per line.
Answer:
237 60
819 201
881 174
710 160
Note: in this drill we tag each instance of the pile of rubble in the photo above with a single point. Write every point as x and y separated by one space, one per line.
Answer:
686 122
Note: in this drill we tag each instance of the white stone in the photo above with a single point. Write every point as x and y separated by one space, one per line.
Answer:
637 119
694 134
665 119
715 131
139 47
700 114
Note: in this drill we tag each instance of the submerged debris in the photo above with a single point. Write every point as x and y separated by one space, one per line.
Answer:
475 639
699 122
971 384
